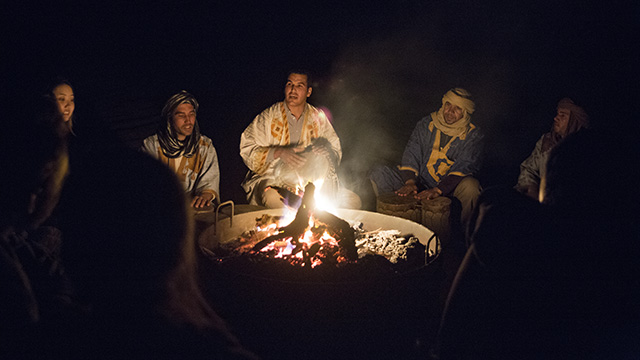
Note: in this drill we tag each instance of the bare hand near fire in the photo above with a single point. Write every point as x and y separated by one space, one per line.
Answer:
407 189
429 194
321 149
290 156
200 201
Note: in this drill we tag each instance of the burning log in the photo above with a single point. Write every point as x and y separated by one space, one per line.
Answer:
344 233
341 229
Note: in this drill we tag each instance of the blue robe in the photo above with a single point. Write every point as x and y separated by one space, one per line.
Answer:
431 164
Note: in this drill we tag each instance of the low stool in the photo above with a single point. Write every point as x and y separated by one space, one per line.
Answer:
406 207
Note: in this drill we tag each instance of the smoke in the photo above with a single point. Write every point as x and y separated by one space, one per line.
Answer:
378 90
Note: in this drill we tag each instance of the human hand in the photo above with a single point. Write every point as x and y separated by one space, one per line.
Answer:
200 201
429 194
409 188
290 156
321 149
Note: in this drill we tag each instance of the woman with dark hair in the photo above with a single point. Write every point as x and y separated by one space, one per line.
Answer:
133 259
569 119
62 92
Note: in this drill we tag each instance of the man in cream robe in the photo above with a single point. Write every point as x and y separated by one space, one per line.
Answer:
292 143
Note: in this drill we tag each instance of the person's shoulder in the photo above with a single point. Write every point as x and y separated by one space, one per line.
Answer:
270 112
151 138
276 107
150 141
205 140
475 132
425 120
316 113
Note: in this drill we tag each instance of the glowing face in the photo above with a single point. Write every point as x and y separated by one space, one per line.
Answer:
65 99
297 90
452 113
183 119
561 120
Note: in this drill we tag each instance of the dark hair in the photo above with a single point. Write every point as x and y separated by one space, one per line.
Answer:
54 83
302 72
142 215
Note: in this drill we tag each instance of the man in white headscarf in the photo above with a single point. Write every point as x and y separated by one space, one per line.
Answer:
444 151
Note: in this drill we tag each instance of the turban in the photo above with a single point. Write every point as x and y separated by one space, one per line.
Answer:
461 98
578 118
171 146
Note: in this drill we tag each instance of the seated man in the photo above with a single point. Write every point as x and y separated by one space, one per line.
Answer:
179 144
290 144
443 152
557 279
570 118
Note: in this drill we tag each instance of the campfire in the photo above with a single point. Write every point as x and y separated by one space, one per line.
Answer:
313 237
318 238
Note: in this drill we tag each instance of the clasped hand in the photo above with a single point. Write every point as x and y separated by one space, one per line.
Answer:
412 189
290 156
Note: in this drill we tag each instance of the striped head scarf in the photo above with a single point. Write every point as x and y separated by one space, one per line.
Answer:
171 146
459 97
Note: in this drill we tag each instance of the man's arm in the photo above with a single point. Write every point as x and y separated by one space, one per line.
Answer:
255 150
209 182
467 162
327 132
150 146
413 158
529 177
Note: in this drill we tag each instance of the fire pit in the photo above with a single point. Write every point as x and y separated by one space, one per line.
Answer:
334 305
319 246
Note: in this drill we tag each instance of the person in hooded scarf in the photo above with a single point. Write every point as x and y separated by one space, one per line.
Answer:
179 144
443 152
570 118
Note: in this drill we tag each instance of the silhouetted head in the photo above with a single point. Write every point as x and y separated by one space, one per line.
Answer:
588 183
127 226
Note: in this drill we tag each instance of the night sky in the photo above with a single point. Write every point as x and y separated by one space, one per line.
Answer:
379 68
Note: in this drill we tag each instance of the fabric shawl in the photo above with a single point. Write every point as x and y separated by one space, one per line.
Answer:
171 146
458 97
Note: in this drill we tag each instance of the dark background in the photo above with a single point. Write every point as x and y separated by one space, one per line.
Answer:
379 68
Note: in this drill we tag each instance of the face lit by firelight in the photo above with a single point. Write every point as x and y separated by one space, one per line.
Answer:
297 90
63 94
183 119
452 113
561 120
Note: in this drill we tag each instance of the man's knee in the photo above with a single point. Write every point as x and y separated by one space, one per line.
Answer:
348 199
468 189
272 199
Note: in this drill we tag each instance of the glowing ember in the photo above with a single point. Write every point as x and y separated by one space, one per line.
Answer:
312 237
